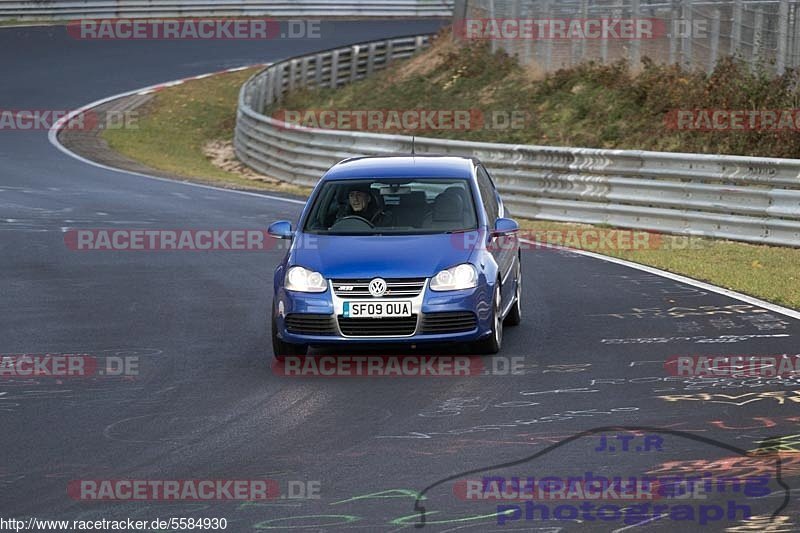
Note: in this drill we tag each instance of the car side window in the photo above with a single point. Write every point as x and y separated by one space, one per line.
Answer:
488 196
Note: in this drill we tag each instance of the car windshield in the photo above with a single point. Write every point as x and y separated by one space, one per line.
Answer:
396 206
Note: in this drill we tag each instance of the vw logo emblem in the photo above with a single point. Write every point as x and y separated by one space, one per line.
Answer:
377 287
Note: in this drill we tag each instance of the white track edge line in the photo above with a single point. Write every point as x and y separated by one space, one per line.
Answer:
52 136
677 277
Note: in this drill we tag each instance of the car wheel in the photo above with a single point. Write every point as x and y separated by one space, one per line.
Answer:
281 349
491 344
514 316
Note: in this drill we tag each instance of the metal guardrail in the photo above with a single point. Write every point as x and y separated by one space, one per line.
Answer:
73 9
749 199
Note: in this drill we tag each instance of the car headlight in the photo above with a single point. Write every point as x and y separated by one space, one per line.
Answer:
456 278
303 280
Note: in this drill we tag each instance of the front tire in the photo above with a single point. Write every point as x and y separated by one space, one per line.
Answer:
492 344
281 349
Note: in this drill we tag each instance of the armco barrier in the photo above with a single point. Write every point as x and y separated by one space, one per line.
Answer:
749 199
73 9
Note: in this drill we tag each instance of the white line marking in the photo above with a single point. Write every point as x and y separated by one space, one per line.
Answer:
681 279
637 524
52 135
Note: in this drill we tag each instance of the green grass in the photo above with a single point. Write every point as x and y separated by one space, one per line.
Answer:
590 105
23 22
179 121
768 272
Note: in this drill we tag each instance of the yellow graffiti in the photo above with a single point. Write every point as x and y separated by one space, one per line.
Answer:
735 466
785 444
778 396
762 523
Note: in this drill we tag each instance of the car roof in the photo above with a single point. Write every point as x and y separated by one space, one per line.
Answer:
405 166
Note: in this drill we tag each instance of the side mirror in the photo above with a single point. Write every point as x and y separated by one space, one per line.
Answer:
281 229
505 226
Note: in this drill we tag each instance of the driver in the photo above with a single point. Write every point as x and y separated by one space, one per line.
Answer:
360 203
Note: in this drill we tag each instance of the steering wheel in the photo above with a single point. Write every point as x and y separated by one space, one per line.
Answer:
353 218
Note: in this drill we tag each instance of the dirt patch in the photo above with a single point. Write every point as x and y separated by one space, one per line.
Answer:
222 155
426 63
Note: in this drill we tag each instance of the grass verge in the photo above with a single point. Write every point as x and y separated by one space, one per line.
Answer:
173 130
31 22
589 105
179 121
768 272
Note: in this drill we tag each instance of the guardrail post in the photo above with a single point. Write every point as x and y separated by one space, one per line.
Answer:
509 44
783 37
529 58
304 71
334 69
292 73
795 58
371 58
261 88
548 43
736 29
714 52
459 16
674 18
491 15
758 37
354 51
269 96
279 71
584 16
318 60
636 44
615 13
389 52
688 21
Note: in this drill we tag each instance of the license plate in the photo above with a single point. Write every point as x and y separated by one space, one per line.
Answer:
376 309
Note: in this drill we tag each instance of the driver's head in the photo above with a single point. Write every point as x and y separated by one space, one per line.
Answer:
359 197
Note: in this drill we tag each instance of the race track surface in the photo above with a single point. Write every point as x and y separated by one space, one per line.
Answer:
206 405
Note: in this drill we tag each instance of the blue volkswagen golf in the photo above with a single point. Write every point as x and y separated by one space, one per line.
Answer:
408 250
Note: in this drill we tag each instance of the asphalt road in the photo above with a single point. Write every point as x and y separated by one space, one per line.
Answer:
206 404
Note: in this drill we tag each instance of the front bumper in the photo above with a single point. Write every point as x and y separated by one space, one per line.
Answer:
317 319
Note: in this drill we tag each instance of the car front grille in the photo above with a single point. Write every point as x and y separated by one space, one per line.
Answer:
395 287
308 324
449 322
378 327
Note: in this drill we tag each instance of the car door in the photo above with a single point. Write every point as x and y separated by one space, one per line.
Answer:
503 249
